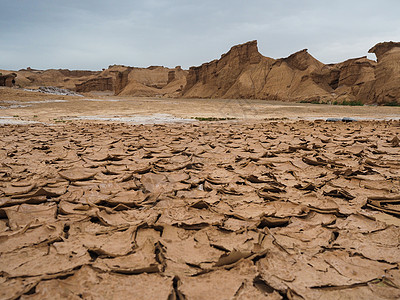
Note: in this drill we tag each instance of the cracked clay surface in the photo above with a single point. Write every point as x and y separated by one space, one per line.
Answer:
206 210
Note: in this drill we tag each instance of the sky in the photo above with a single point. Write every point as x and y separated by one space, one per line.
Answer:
93 34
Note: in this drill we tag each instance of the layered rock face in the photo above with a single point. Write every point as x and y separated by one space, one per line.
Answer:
62 78
7 80
153 81
216 78
77 73
244 73
96 84
386 87
116 79
354 79
109 79
293 78
121 80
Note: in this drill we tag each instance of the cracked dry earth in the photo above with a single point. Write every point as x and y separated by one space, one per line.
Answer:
218 210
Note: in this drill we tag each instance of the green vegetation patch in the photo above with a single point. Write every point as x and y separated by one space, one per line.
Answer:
313 101
349 103
392 103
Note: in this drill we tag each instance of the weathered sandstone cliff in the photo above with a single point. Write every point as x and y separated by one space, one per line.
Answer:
153 81
96 84
244 73
386 87
61 78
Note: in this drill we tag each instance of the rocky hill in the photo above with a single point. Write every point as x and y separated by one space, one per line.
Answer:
386 86
130 81
61 78
243 72
152 81
116 79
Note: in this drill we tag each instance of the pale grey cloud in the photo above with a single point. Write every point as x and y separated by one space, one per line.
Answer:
92 34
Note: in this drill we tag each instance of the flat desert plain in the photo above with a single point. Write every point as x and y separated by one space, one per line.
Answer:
273 202
32 106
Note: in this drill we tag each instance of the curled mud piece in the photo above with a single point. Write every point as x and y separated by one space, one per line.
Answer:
77 174
210 210
390 205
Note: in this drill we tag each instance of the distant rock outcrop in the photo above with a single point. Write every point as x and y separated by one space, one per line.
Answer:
216 78
242 72
121 80
62 78
96 84
296 78
153 81
352 79
386 87
77 73
8 79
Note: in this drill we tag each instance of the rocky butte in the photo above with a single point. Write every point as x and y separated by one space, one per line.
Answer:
243 72
386 84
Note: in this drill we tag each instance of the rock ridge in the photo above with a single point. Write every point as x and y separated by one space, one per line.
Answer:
242 72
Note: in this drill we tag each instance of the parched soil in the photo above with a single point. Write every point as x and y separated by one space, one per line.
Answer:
201 210
38 107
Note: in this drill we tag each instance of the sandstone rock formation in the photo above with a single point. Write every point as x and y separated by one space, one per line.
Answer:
62 78
121 80
8 79
216 78
152 81
353 79
130 81
386 87
116 79
95 84
244 73
112 79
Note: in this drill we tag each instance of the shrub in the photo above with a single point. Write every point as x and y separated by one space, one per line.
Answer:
349 103
312 101
392 103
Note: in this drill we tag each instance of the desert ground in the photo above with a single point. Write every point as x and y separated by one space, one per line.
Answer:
38 107
107 197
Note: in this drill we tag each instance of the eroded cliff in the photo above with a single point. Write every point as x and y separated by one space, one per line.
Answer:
386 87
244 73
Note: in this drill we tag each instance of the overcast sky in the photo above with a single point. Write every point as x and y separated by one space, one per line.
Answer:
93 34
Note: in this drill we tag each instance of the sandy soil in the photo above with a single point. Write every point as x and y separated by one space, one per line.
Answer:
49 108
243 209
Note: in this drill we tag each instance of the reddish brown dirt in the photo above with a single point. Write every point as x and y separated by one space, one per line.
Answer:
216 210
49 109
241 209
